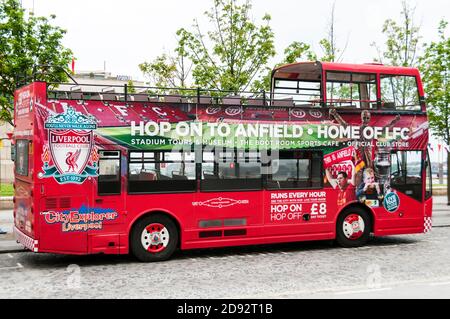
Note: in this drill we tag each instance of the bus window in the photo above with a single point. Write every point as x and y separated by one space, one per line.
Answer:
296 170
231 170
297 93
399 92
406 173
109 173
22 153
161 172
351 90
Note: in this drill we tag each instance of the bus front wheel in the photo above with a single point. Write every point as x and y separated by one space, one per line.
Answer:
353 227
154 238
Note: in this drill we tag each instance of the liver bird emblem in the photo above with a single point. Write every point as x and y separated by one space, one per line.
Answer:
71 160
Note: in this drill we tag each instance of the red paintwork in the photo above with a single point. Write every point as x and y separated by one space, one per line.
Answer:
34 196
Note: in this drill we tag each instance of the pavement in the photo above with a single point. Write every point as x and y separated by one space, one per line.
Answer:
441 217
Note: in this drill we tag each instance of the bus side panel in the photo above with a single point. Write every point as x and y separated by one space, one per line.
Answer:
23 202
408 218
58 226
300 212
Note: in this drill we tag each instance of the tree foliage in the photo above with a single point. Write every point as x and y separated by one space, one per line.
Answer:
161 71
435 68
329 45
402 39
296 51
169 70
26 42
234 52
401 49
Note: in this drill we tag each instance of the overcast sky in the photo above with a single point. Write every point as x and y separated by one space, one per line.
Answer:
123 34
126 33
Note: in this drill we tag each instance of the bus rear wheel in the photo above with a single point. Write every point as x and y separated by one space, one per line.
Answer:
353 227
154 238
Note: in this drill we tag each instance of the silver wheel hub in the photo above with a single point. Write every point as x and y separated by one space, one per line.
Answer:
353 228
151 238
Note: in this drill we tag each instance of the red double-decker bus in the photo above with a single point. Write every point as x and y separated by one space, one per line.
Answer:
334 151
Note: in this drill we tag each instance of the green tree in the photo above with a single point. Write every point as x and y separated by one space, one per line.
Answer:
329 45
26 42
435 68
169 70
161 71
402 39
295 52
131 88
401 49
234 52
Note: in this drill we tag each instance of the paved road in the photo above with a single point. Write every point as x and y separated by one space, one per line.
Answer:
398 266
408 266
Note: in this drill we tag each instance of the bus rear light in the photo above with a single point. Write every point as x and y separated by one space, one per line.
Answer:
14 199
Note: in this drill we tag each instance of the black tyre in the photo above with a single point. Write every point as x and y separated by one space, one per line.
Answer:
353 227
154 238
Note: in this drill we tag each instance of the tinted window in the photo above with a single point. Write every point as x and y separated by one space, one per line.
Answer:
231 170
22 154
158 172
109 173
406 172
296 170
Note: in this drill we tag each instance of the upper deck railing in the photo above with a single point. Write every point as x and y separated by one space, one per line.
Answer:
126 93
348 90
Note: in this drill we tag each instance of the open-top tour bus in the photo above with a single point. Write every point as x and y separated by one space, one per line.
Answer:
333 151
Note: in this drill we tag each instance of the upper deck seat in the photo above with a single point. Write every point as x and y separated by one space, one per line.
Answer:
283 102
139 98
172 99
256 102
231 100
108 94
204 100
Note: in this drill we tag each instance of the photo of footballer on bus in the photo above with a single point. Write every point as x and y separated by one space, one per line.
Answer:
346 188
369 188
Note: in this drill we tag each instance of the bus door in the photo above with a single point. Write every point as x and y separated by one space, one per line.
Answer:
108 206
230 198
407 169
428 194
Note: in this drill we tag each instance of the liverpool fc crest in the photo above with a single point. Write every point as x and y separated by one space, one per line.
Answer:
70 155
